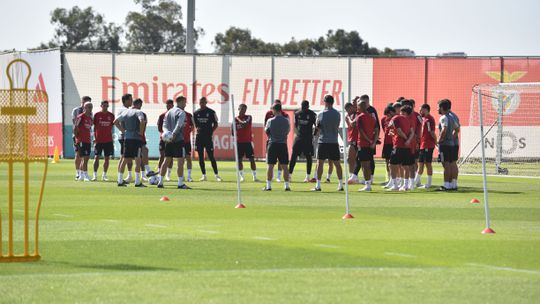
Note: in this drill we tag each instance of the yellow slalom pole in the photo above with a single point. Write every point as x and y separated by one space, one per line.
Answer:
26 206
36 248
10 209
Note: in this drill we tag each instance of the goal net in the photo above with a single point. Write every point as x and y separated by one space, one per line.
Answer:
505 119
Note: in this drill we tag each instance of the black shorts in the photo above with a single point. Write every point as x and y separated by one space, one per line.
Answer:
277 152
328 151
303 146
364 154
83 149
387 151
412 157
401 156
425 156
204 143
161 145
132 148
448 153
455 153
174 149
121 141
187 148
245 149
106 148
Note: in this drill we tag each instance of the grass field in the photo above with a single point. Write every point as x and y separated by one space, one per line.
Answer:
101 243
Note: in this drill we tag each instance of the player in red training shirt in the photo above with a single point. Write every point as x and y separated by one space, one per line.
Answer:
244 137
83 129
389 112
401 154
367 139
103 124
352 139
427 145
416 123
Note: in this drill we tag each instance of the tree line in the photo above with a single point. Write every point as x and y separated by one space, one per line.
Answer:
157 27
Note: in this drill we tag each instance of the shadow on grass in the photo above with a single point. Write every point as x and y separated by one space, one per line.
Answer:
201 254
122 267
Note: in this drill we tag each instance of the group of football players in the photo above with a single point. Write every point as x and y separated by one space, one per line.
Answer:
408 142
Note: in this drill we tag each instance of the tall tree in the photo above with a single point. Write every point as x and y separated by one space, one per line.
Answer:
157 28
83 29
339 42
239 41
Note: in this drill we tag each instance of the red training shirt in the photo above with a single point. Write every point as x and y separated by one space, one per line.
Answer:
387 131
103 124
188 127
243 131
352 132
401 122
84 125
160 122
367 123
426 140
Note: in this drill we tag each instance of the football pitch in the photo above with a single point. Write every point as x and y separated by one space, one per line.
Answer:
101 243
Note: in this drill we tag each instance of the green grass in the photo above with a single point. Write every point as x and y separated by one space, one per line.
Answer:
101 243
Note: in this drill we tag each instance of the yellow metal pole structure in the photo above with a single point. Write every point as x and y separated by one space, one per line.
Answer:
17 113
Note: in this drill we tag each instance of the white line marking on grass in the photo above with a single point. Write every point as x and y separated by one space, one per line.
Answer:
156 226
264 238
504 268
63 215
209 231
403 255
112 221
326 246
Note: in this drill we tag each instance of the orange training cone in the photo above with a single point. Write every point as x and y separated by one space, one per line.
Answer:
164 199
240 206
348 216
488 231
475 201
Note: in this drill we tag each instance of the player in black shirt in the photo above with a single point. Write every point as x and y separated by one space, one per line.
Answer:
304 120
206 122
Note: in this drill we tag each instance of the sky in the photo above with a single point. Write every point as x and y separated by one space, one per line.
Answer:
429 27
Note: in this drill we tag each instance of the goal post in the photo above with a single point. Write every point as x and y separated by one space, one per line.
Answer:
504 120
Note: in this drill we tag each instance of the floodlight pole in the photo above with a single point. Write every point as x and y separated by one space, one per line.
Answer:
190 39
348 214
486 205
